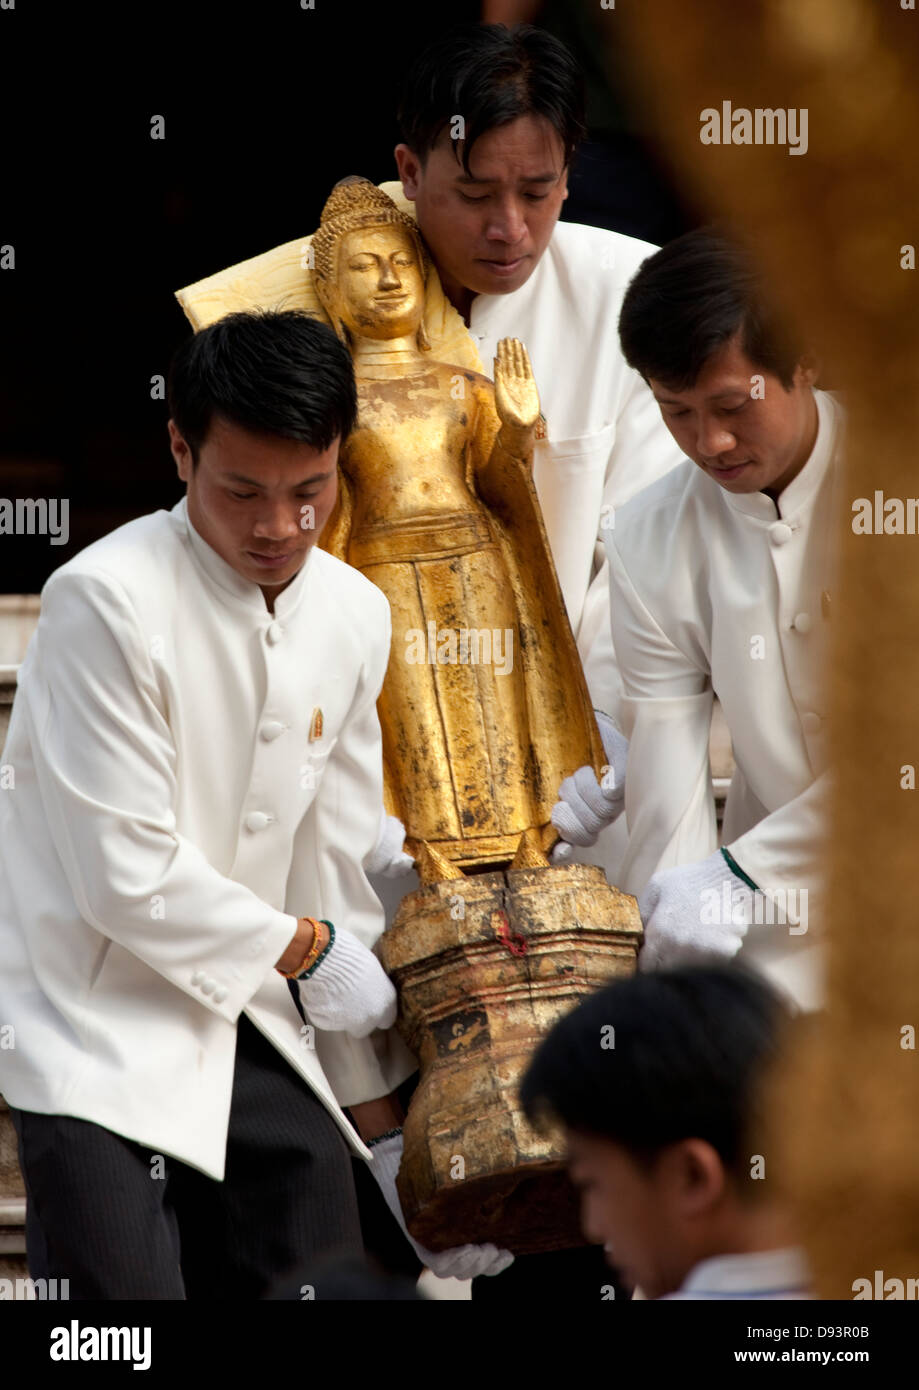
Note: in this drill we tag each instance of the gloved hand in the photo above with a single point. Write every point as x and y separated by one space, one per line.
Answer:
387 856
585 805
692 911
348 990
463 1261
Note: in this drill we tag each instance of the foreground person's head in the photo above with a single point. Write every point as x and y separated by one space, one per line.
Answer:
656 1080
259 403
734 387
490 118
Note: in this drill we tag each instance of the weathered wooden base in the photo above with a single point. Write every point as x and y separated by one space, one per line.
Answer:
484 966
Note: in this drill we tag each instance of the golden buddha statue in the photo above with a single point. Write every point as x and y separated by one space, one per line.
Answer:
484 709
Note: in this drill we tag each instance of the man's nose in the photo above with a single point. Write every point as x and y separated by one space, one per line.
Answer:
278 521
713 439
506 223
592 1228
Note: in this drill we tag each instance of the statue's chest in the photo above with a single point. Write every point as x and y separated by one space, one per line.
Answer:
421 430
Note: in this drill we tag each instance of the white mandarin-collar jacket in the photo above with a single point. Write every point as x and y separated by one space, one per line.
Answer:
606 439
730 594
170 820
757 1274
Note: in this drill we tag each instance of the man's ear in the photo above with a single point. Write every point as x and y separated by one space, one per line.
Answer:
180 452
807 372
694 1175
409 166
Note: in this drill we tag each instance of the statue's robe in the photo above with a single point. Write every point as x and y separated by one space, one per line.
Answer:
450 529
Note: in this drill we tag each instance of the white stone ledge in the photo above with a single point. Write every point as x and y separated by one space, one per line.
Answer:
18 620
12 1211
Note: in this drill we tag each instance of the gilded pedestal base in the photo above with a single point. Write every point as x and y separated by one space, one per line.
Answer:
484 966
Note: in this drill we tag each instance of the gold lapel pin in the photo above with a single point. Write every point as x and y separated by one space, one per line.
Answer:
316 725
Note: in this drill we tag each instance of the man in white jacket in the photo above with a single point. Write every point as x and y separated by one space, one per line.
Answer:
721 580
198 766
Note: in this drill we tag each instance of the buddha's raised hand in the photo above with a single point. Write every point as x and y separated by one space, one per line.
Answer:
516 397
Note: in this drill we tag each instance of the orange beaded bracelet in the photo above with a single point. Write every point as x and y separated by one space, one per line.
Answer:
311 954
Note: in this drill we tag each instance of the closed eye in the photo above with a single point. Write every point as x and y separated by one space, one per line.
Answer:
531 197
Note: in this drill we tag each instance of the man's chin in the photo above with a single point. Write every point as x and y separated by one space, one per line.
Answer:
271 576
494 282
746 479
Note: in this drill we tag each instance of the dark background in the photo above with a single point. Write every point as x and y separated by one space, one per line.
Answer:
265 108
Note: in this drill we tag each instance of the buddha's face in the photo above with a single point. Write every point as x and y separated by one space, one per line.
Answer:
380 282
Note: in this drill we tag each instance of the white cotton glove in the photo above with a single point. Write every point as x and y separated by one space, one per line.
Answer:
387 856
349 991
463 1261
695 910
585 806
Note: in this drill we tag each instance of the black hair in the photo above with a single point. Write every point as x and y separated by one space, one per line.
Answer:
491 75
686 1048
688 299
271 372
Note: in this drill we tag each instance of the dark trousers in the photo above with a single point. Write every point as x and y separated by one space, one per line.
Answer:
579 1275
99 1215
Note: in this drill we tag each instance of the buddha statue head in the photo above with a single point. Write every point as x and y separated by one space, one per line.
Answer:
369 265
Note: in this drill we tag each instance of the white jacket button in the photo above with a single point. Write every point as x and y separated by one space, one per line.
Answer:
274 633
197 978
219 995
271 729
811 722
780 532
209 986
802 622
257 820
